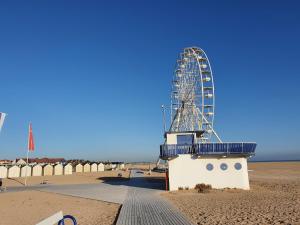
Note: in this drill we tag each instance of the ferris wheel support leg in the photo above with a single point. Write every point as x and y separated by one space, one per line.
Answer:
214 132
217 136
158 162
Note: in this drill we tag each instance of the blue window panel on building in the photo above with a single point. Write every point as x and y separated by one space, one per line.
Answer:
185 139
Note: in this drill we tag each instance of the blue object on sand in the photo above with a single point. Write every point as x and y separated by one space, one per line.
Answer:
66 217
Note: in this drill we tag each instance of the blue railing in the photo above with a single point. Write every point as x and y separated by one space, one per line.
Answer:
174 150
246 149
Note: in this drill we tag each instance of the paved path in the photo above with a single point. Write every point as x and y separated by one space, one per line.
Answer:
146 207
102 191
141 200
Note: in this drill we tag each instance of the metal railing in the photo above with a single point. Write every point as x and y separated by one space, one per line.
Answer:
208 149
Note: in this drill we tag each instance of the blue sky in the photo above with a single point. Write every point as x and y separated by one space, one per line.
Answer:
91 75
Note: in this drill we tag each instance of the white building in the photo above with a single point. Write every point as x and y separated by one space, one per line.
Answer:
101 167
48 170
68 169
19 162
25 170
58 169
3 171
94 167
87 168
222 165
37 170
13 172
79 168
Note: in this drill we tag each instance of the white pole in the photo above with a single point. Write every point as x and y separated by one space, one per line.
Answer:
27 156
164 118
26 169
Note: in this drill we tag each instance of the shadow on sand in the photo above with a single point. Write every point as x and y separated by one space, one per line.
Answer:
157 183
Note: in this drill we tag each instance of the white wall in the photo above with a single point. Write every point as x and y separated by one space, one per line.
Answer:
94 167
37 170
122 166
3 172
187 171
14 171
24 170
68 169
171 139
48 170
79 168
101 167
58 169
113 166
87 168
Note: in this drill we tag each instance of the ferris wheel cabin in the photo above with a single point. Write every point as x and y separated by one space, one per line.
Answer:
192 156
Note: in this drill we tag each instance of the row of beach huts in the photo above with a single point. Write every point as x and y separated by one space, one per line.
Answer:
15 171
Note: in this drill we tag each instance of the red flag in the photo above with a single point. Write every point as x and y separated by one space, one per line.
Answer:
30 139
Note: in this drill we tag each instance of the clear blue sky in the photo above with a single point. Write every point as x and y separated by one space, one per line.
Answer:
91 75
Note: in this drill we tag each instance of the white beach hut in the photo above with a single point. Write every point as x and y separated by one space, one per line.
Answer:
58 169
79 168
19 162
37 170
26 170
3 171
101 167
108 166
113 166
87 168
48 170
13 172
68 169
121 166
94 167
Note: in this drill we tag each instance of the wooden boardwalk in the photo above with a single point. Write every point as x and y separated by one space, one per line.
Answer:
146 207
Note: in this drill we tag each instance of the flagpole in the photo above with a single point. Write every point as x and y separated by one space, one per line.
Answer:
26 168
27 155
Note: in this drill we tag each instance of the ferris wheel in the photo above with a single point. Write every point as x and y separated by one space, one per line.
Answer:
193 94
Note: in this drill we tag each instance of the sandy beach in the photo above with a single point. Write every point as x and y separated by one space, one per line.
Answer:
33 206
30 207
274 198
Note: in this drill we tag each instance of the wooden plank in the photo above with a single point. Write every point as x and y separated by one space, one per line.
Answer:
52 219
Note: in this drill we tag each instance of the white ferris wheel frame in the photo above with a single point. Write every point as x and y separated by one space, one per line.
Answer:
183 116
